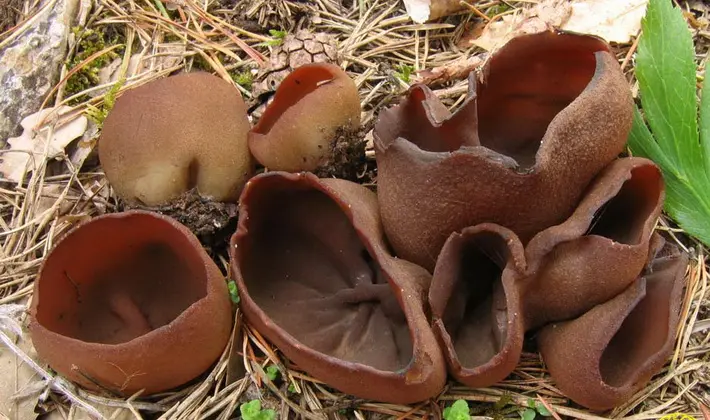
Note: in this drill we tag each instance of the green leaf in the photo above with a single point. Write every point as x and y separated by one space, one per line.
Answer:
665 70
233 291
272 372
528 414
705 121
457 411
542 410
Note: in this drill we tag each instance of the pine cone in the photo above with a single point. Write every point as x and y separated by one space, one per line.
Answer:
298 49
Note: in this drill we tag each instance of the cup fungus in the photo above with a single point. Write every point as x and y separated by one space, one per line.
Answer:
312 105
551 111
128 302
475 303
486 290
603 357
174 134
600 250
316 278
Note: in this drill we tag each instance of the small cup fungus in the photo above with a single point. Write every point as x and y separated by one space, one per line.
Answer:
128 302
475 303
486 290
600 250
171 135
298 129
603 357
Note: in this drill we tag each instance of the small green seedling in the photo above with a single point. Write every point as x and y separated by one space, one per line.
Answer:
233 291
244 79
404 72
497 9
252 411
278 37
99 114
533 410
272 372
457 411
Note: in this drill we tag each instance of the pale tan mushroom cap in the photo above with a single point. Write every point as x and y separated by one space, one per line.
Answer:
171 135
298 128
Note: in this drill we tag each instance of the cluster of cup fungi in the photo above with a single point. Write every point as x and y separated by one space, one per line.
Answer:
514 215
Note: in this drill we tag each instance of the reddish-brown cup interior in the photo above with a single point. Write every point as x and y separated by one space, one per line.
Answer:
475 317
528 83
623 218
119 277
300 83
305 266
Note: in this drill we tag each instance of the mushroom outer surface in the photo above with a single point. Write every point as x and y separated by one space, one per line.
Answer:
174 134
551 111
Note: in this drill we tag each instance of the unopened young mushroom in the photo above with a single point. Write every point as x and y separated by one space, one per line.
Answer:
129 302
312 107
169 136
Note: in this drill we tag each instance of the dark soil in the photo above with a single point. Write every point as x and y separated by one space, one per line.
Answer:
347 157
10 13
213 222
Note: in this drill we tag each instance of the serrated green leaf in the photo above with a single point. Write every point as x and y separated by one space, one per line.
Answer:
705 121
666 73
665 69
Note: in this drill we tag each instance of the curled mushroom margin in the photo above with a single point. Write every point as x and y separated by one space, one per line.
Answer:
316 278
603 357
475 303
600 250
550 112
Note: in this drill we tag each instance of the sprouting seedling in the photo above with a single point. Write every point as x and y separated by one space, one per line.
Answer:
99 114
233 291
457 411
278 37
404 72
244 79
252 411
272 372
533 410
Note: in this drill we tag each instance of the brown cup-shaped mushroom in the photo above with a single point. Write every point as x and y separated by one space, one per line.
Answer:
600 250
551 111
316 278
602 358
475 303
175 134
299 127
128 302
